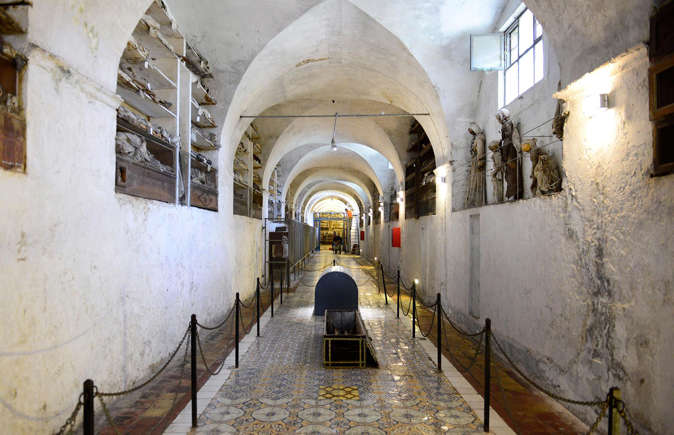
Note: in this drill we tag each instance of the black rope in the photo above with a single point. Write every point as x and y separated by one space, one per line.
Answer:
219 325
430 327
459 330
203 358
138 387
540 388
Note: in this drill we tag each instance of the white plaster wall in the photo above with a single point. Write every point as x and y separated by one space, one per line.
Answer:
577 284
97 284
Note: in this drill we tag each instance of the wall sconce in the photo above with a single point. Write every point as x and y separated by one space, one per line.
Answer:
595 103
416 282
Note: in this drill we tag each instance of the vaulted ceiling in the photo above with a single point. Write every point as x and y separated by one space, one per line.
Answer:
299 57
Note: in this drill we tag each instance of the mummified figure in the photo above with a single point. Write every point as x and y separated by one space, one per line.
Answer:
497 172
510 155
559 120
476 193
545 176
134 147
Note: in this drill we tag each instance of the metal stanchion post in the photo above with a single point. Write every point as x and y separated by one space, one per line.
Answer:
414 309
383 281
271 272
236 331
88 407
487 372
193 367
398 298
438 310
334 262
257 302
287 276
281 286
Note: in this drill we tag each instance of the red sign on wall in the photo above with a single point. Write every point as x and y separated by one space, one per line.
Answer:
362 235
395 237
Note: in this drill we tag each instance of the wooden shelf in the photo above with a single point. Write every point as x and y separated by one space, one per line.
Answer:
141 98
8 25
134 52
201 94
203 119
201 142
196 63
153 40
202 196
134 178
151 75
124 125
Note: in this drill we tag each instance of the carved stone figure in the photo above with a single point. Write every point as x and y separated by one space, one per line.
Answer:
545 175
510 155
497 172
476 193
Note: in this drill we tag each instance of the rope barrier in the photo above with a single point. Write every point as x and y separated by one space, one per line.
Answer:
203 358
219 325
459 330
138 387
70 421
540 388
430 327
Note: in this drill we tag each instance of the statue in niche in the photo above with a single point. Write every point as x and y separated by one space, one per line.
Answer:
497 172
511 156
476 193
545 175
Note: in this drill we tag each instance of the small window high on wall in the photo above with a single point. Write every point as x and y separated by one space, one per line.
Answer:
523 57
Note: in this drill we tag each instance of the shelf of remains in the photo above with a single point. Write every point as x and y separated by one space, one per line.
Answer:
346 342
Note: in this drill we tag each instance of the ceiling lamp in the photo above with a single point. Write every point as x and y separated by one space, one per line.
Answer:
333 145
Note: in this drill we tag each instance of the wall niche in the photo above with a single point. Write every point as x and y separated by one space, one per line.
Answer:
13 25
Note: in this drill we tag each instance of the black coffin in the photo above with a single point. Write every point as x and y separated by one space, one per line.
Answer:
335 290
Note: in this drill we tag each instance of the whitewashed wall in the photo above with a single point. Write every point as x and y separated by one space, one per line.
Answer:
97 284
578 284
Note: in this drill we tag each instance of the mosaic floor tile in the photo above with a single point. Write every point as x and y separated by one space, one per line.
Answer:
337 392
282 386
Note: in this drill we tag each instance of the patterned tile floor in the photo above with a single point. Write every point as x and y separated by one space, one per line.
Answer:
277 387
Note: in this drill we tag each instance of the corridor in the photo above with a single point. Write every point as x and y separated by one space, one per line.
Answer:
281 385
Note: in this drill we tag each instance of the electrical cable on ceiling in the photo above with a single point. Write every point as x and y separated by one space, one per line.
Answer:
338 115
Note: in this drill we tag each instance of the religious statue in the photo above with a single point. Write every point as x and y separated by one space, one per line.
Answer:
497 172
476 193
545 175
510 155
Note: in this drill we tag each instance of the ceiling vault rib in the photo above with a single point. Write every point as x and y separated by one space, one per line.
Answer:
338 115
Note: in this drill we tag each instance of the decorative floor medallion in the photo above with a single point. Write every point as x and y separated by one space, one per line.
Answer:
338 392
